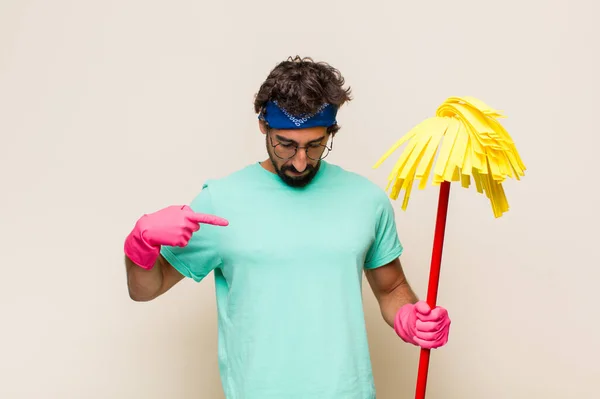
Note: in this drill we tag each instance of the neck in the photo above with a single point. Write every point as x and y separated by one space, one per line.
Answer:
268 165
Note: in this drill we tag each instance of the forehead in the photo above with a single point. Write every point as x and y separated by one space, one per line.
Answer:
302 135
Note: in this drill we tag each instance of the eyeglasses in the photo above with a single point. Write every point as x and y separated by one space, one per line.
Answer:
286 151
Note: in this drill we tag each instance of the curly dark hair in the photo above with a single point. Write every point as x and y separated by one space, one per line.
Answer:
301 86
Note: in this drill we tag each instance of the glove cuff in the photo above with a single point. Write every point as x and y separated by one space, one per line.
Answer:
139 251
405 323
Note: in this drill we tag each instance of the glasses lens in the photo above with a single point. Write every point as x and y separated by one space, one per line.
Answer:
285 152
318 152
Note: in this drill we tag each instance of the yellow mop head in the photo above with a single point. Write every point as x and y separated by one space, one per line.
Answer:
474 145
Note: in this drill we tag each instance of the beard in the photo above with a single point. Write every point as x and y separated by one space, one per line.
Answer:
294 181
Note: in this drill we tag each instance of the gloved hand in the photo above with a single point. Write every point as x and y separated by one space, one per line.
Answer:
422 326
173 225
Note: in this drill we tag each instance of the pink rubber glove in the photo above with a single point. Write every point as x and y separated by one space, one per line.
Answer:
419 325
173 225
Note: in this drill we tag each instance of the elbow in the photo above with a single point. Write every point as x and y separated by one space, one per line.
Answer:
139 293
138 298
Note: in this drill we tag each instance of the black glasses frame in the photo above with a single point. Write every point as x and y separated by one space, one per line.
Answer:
297 147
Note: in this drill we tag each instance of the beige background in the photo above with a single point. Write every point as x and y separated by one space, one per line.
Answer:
110 109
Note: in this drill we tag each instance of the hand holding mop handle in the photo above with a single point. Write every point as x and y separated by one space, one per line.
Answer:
434 277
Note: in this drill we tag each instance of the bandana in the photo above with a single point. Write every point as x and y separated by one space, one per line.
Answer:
279 118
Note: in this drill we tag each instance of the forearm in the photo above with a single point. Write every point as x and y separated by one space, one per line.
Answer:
144 284
393 300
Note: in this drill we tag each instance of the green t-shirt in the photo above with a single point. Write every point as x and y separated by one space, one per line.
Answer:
288 274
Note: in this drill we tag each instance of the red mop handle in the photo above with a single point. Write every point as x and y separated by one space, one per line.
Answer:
434 278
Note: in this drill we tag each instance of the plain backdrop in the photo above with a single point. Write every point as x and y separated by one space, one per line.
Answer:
111 109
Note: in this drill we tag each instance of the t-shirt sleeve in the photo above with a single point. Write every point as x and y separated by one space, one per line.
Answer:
201 256
387 246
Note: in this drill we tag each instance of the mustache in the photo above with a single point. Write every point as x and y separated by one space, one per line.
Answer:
291 168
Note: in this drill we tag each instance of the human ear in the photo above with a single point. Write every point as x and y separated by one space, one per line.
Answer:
262 127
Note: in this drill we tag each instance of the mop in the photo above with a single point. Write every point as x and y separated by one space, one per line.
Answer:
470 145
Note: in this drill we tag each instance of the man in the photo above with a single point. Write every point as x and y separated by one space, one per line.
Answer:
288 239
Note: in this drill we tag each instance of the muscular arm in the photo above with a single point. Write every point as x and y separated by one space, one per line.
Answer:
146 285
391 289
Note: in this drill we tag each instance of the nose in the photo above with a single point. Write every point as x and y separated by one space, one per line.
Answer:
299 161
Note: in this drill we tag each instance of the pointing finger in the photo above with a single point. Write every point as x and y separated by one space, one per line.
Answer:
208 219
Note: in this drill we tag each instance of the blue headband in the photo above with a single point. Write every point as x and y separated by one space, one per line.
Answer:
279 118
